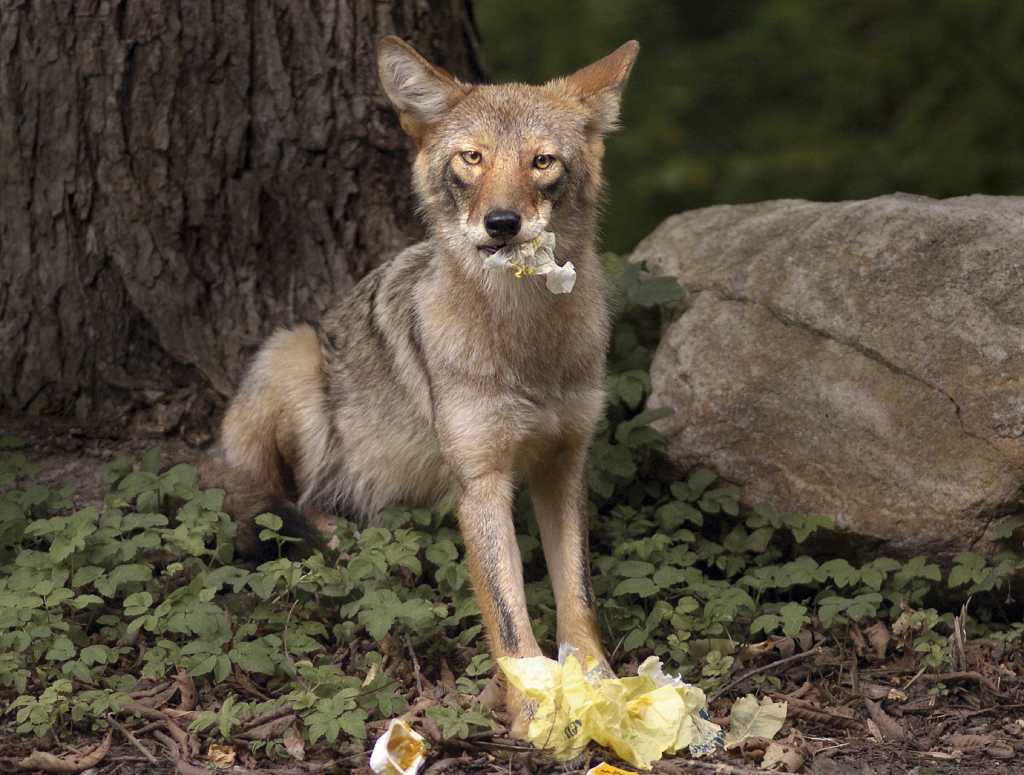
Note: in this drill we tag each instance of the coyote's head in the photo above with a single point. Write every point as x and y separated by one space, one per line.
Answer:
500 164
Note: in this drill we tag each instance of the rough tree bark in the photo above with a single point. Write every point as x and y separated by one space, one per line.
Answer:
179 178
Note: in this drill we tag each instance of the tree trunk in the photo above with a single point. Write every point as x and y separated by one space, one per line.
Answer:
177 179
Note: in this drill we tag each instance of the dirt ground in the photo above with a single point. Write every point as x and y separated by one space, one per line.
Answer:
853 709
68 453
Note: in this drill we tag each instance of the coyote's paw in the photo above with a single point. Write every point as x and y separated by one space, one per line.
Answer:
518 713
591 656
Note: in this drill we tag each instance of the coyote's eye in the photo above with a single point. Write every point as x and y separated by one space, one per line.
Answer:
543 160
471 158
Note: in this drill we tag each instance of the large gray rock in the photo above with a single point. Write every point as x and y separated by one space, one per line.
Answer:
863 360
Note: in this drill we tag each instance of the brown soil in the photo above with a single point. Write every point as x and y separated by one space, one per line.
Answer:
70 454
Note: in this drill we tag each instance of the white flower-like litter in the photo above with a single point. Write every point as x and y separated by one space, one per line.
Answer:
536 257
399 751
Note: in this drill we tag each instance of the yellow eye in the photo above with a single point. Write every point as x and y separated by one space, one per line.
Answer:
471 158
543 160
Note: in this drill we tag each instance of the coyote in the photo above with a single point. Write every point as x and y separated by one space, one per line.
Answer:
440 374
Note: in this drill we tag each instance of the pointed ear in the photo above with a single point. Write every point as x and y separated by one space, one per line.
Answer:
420 91
599 86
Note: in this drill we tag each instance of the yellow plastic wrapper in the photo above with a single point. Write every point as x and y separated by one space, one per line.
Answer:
604 768
639 718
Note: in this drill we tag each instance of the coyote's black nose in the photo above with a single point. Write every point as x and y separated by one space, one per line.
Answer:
502 223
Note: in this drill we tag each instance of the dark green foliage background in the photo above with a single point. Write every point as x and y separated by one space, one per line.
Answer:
748 100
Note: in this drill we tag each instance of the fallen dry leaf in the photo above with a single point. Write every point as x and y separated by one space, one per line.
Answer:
248 760
875 691
294 744
186 689
882 692
889 727
812 711
1001 751
860 643
269 730
160 699
185 741
786 646
447 677
750 718
970 743
993 746
878 636
782 758
371 674
959 639
417 708
942 755
150 691
221 756
753 650
492 696
752 748
896 695
902 627
78 762
874 731
431 729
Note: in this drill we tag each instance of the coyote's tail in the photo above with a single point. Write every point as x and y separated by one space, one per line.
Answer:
262 438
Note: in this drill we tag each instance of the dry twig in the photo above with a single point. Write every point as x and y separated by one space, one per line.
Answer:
798 708
78 762
686 766
415 666
967 675
440 766
764 669
131 738
890 728
151 691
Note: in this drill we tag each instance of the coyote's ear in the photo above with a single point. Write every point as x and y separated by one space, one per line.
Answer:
599 86
420 91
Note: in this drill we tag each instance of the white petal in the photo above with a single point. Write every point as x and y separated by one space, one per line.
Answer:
562 279
544 255
651 668
544 265
496 261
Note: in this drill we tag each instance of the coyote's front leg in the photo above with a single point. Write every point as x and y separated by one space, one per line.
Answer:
485 519
495 565
559 502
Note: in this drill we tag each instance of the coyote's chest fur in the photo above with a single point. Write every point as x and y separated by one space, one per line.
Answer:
402 364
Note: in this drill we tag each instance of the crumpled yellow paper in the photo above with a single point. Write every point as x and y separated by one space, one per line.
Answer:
604 768
536 257
640 718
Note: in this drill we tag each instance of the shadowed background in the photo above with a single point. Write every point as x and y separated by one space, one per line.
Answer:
178 180
761 99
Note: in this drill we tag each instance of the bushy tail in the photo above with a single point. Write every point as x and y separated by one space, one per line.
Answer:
245 499
262 442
